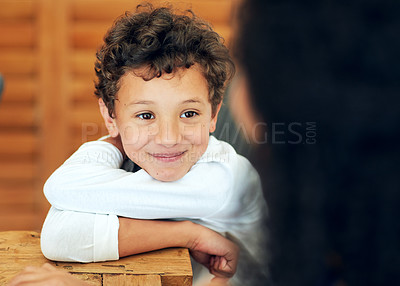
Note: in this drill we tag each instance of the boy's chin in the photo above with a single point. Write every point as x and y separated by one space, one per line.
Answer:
167 175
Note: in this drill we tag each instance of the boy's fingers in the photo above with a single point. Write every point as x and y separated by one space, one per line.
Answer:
216 261
222 265
221 274
212 261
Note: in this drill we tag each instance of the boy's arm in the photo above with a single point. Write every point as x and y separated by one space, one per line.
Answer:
91 181
219 254
86 237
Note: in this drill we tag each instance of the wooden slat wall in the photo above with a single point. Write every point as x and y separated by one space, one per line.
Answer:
18 123
48 109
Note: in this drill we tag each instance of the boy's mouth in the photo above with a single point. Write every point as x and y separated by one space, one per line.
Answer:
168 157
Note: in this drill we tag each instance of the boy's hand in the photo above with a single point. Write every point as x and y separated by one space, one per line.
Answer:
217 253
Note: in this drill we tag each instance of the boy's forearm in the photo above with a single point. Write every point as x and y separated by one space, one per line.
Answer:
209 248
137 236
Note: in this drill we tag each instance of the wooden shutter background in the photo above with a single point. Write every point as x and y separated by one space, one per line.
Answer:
48 108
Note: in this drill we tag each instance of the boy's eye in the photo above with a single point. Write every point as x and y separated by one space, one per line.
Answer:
188 114
145 116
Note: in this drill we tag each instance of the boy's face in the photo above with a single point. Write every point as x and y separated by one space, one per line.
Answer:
164 123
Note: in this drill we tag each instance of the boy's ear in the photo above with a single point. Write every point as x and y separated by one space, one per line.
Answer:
108 120
213 124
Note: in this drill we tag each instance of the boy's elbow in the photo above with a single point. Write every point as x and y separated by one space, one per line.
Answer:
61 240
54 248
49 189
48 245
54 191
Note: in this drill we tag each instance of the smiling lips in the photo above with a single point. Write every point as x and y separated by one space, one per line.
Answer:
168 157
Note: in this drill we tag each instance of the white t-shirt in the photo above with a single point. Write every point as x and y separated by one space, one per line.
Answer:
222 191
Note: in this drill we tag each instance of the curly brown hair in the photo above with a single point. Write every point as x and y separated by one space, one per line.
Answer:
161 42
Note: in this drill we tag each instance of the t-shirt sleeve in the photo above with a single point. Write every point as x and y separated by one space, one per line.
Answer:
79 237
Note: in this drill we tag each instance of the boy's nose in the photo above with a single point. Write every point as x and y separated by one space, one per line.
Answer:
168 134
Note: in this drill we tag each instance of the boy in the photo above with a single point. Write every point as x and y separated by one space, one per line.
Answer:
161 79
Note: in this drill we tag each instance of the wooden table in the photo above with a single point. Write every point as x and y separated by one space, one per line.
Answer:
19 249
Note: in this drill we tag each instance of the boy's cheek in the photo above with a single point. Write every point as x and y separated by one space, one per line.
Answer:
129 134
196 135
151 130
133 143
133 134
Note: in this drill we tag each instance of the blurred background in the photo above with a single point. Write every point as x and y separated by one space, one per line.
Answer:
48 108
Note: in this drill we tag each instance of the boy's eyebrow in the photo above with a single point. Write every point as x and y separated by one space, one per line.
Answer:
146 102
192 100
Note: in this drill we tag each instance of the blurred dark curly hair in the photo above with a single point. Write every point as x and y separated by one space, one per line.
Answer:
161 42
